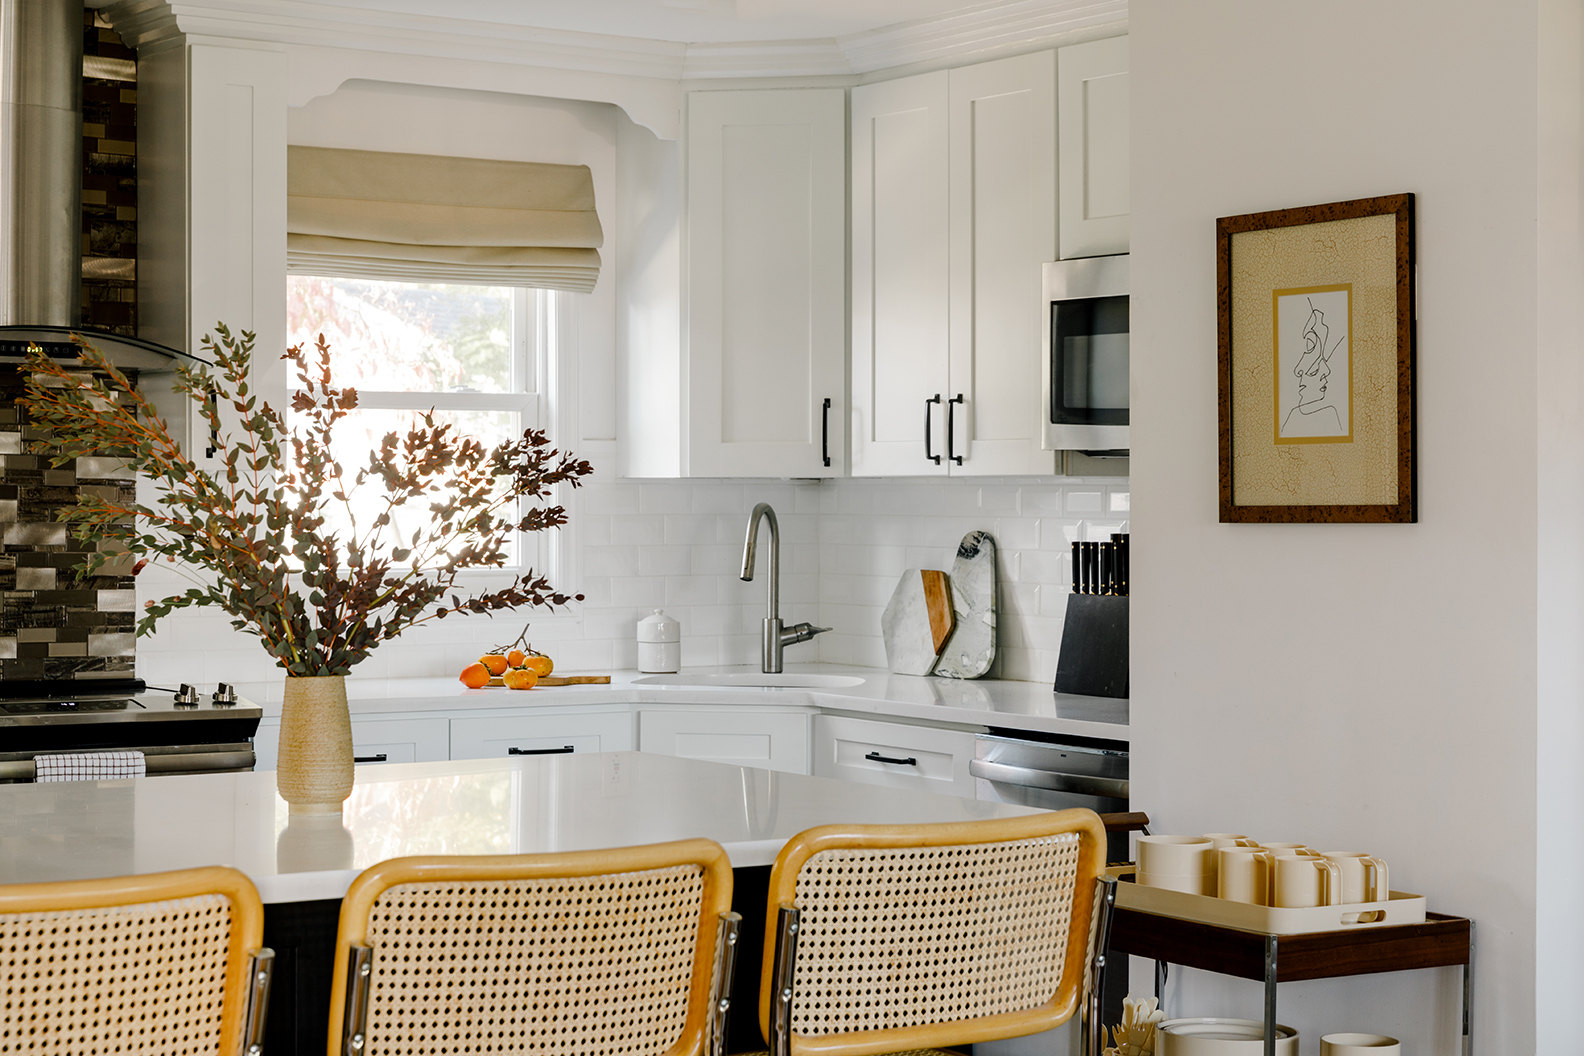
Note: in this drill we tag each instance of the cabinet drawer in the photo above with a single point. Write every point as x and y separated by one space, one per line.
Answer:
400 740
495 737
894 754
767 740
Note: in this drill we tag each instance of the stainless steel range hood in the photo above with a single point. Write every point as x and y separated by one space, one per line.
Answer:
41 70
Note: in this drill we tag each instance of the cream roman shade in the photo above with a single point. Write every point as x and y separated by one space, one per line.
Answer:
423 218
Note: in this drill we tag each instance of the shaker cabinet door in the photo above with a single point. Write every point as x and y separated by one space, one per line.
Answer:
766 283
1092 97
901 276
1002 124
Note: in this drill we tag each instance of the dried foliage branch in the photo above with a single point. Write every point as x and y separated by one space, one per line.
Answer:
320 598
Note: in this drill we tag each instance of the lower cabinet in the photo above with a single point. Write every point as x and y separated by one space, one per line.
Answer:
769 740
413 740
922 758
498 736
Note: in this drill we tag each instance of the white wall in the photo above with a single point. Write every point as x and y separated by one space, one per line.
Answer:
1351 686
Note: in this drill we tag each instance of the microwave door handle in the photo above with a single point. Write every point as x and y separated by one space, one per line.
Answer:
951 426
927 408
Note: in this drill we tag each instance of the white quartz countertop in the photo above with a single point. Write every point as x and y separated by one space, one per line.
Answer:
89 829
1030 706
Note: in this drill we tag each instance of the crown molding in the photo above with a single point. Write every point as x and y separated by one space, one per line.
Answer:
1000 25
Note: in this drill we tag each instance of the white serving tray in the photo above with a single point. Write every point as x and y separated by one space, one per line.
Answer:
1401 908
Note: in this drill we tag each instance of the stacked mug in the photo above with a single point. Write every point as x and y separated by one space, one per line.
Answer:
1287 875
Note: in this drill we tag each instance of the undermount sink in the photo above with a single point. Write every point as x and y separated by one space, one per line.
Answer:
784 681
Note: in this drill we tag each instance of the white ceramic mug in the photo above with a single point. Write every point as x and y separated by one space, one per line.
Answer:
1222 840
1303 882
1243 874
1364 877
1359 1045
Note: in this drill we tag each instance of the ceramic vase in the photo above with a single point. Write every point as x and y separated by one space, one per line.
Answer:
314 771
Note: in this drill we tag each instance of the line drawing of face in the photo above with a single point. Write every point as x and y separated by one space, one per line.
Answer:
1314 367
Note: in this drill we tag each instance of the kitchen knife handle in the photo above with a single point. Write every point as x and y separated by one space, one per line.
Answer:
951 427
927 408
1077 567
825 432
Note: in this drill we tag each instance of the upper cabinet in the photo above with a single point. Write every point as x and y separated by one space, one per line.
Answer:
954 210
765 302
1092 94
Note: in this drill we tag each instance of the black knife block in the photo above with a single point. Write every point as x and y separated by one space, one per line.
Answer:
1094 646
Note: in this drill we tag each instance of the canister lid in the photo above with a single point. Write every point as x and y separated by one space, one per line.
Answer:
659 628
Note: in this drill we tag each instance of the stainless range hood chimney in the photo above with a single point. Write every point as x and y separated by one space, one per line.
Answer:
41 49
41 71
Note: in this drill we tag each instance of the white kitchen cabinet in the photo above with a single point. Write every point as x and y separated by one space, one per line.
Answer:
765 302
897 755
756 736
1092 100
901 276
954 210
498 736
404 740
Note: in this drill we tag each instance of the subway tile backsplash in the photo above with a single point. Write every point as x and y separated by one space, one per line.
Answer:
677 545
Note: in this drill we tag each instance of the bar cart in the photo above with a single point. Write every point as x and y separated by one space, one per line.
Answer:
1440 942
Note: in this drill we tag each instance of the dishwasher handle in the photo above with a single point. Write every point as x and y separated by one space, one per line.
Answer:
1030 777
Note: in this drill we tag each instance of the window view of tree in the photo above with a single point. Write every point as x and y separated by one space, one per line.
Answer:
406 337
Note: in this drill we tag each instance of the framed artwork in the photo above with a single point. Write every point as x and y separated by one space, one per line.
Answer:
1316 362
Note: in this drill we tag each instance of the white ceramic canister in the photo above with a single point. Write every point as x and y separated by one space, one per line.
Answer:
659 644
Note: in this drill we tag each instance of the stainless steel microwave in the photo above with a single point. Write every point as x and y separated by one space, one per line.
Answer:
1085 360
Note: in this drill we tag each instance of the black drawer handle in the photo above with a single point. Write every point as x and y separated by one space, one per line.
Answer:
825 433
951 427
929 405
877 757
380 758
566 750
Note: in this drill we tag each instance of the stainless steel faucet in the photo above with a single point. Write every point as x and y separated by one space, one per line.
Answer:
774 639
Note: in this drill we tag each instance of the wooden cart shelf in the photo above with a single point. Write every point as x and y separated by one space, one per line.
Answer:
1440 942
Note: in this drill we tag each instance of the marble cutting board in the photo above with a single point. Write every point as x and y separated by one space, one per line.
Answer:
917 621
971 649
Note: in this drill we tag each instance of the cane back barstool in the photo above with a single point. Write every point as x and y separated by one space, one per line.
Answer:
160 963
891 939
627 952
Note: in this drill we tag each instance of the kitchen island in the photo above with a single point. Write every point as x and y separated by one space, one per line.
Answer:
523 805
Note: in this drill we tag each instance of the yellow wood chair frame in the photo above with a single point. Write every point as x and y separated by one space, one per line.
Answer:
358 967
780 987
247 966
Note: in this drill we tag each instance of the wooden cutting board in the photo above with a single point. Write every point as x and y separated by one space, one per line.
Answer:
557 680
918 621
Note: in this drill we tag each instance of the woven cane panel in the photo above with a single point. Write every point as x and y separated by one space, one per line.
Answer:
557 965
145 978
900 937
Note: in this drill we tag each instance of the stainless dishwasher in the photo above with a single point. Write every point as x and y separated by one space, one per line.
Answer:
1056 773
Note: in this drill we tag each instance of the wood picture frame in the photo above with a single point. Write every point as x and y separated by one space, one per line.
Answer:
1316 426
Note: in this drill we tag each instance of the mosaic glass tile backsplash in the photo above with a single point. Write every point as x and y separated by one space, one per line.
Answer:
54 625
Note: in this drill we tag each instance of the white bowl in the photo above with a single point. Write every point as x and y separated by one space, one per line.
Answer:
1210 1036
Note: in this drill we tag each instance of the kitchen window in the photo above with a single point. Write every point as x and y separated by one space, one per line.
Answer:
478 356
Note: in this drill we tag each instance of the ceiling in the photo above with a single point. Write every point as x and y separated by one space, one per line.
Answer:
682 21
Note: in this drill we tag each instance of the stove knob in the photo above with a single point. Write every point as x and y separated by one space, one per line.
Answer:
225 695
187 696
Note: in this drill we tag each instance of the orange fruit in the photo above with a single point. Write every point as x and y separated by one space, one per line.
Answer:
520 678
475 676
539 664
515 658
495 662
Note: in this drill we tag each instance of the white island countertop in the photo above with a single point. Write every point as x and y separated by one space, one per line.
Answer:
1029 706
88 829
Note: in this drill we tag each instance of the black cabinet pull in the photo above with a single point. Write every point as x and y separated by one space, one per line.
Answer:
565 750
927 408
825 432
877 757
380 758
951 427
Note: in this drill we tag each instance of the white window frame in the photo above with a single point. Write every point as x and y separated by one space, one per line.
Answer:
542 342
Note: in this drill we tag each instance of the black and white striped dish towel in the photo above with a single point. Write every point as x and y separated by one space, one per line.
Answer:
88 766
